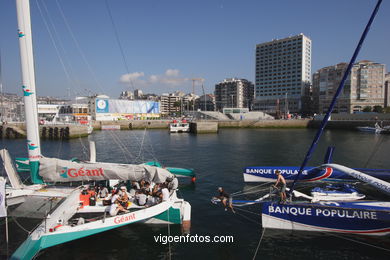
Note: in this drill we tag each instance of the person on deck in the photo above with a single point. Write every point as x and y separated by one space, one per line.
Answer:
103 192
141 198
123 197
226 199
164 193
281 181
173 184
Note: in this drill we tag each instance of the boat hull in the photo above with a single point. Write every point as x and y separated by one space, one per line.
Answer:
361 218
309 174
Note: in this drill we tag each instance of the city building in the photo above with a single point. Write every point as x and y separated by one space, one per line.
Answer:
205 102
11 107
283 72
189 102
233 92
138 94
127 95
387 90
171 103
364 87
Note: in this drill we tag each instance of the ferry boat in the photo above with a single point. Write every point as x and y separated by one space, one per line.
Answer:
179 126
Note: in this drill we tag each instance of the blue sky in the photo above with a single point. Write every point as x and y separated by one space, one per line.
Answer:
168 42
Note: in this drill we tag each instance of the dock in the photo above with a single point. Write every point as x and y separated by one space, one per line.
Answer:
49 131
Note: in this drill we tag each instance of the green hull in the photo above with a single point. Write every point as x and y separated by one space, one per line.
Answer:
30 247
180 172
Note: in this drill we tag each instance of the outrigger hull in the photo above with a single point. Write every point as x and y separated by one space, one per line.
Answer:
309 174
359 218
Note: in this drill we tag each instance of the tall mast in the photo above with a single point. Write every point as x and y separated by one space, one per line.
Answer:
28 85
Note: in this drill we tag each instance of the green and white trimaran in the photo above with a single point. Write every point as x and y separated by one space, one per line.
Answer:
60 224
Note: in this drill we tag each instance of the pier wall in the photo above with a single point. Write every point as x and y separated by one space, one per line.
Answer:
204 127
51 132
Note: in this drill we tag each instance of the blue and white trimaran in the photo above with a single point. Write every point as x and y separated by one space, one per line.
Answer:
60 207
328 212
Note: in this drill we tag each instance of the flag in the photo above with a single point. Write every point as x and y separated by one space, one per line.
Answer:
3 210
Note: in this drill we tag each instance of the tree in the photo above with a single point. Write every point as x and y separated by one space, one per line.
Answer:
378 109
367 109
386 110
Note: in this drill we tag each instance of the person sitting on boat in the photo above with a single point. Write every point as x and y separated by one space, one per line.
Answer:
164 193
225 199
142 183
156 190
135 185
91 191
281 181
123 197
173 183
102 192
116 208
147 190
141 198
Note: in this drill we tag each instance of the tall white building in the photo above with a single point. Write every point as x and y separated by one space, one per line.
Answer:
283 69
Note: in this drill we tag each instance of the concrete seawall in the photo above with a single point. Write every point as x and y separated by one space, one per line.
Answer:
51 132
345 124
303 123
58 131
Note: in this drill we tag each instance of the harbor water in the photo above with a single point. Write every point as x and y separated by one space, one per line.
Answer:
218 160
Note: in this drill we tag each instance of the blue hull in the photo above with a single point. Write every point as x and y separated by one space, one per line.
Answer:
267 174
363 218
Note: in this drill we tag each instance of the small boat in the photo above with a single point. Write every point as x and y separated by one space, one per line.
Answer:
179 127
377 129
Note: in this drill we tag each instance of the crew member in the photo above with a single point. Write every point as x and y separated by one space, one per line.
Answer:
226 199
282 181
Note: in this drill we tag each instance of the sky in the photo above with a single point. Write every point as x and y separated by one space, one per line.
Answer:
85 47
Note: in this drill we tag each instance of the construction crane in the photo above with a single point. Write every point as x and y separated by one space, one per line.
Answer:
193 83
193 91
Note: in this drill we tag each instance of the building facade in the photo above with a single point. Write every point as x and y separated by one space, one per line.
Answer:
283 68
206 102
364 87
387 90
233 92
170 103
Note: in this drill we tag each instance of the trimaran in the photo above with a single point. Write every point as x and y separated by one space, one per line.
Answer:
64 218
331 211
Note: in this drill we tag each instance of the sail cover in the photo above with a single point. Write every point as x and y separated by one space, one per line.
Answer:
57 170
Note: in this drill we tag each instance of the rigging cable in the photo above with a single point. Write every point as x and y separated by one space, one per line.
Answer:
258 246
242 192
378 143
72 81
78 46
119 43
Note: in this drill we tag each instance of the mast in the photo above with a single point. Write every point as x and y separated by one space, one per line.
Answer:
28 85
336 95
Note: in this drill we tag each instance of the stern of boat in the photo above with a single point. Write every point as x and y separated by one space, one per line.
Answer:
178 213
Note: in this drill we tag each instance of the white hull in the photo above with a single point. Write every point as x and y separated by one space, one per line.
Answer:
179 128
277 223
